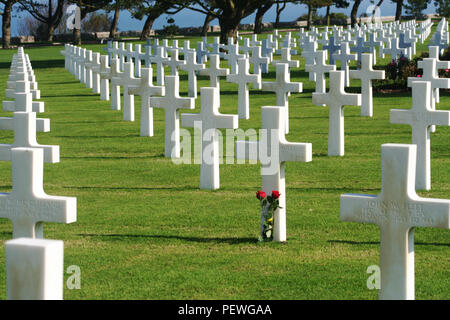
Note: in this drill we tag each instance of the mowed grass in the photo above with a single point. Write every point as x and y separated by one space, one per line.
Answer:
146 231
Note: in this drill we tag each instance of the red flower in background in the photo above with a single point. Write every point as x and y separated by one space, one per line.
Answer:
260 194
275 194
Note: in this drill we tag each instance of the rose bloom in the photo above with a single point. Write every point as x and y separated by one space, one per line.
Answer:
419 76
260 194
275 194
446 70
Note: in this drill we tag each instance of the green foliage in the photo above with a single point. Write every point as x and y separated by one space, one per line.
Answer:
414 8
442 7
96 22
170 30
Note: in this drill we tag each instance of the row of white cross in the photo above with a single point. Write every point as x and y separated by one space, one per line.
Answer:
33 265
274 119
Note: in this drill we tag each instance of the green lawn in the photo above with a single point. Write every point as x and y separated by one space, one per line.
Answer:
146 231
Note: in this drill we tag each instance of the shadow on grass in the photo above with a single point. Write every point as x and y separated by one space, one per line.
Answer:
179 188
122 237
96 137
377 243
116 157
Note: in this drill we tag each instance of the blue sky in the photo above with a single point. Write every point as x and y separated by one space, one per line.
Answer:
189 18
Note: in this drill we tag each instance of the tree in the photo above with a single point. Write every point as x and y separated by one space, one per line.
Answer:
442 7
376 8
228 12
265 5
281 5
398 9
354 12
337 4
152 9
6 22
86 7
312 7
415 7
116 7
49 13
205 28
96 22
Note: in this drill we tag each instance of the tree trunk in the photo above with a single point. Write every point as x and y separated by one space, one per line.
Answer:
354 12
208 19
278 14
228 29
113 29
147 27
77 37
310 16
398 10
51 31
328 15
377 7
6 25
259 17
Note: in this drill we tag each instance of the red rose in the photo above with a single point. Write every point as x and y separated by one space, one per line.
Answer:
275 194
260 195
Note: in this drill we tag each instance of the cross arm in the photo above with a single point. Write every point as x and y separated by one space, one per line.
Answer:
49 209
320 98
188 119
42 125
226 121
433 213
357 208
299 152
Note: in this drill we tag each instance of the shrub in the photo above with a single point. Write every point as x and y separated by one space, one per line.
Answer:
170 30
397 73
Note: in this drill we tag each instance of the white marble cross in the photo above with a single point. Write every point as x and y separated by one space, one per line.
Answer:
394 50
273 150
94 68
258 61
209 119
433 52
360 48
192 67
373 43
344 56
421 117
397 210
428 65
233 56
214 71
286 58
366 74
103 72
331 47
21 85
27 205
108 73
320 68
127 80
145 90
336 99
242 77
172 103
34 269
160 58
174 62
282 86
